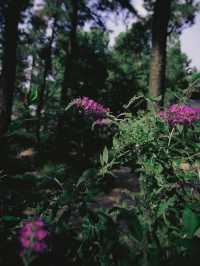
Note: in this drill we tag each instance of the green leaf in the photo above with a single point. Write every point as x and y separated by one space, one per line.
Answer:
105 155
10 219
164 206
69 106
34 94
154 99
85 176
191 221
115 142
101 160
180 128
158 99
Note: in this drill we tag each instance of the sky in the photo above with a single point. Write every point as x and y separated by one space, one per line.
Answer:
190 37
190 41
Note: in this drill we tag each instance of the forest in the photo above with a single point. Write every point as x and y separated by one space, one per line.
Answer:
99 138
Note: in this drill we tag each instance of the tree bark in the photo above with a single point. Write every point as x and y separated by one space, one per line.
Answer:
9 62
67 86
161 17
47 69
70 51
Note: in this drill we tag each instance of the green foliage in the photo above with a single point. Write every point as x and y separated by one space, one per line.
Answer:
191 221
130 60
177 71
58 165
164 158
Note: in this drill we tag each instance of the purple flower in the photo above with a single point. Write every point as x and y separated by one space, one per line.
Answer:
25 242
32 236
180 114
39 246
91 108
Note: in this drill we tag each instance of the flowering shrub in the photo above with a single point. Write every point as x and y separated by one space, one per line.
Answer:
181 114
89 125
98 115
167 163
91 109
33 238
159 226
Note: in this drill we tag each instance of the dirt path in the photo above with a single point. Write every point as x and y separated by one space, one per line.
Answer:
126 184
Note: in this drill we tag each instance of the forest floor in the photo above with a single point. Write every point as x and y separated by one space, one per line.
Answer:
21 183
123 190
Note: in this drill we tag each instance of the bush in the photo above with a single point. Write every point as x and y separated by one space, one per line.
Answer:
166 158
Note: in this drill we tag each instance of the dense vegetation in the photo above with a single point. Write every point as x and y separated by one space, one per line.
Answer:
99 144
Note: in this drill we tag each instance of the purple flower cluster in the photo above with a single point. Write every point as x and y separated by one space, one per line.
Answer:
91 108
33 236
180 114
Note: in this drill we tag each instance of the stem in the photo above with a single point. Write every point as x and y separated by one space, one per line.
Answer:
170 137
26 263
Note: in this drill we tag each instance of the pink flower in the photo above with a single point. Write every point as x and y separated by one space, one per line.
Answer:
32 236
39 246
41 234
26 231
91 108
25 242
39 223
180 114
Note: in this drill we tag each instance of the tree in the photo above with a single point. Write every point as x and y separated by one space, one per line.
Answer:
161 16
46 56
177 70
169 17
129 70
36 50
12 14
80 12
128 75
73 9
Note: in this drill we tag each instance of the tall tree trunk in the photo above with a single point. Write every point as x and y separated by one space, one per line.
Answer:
67 86
8 75
47 70
70 51
161 16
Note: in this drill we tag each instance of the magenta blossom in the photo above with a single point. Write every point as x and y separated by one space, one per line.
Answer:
33 236
91 108
180 114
